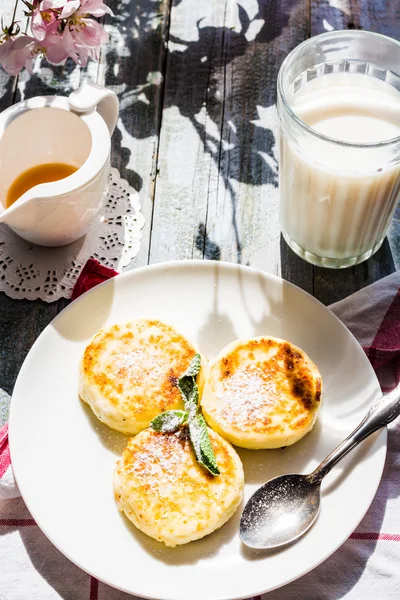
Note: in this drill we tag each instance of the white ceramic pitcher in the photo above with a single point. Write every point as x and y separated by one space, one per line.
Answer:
54 129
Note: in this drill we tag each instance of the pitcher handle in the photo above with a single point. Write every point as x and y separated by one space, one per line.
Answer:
90 96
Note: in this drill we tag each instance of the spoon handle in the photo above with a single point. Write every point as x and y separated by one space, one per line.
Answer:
385 410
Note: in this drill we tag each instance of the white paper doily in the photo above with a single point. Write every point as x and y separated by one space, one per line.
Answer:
32 272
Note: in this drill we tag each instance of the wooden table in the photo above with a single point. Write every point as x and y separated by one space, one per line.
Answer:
197 136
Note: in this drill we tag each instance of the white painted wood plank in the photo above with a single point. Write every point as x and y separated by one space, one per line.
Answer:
190 131
133 66
216 192
249 159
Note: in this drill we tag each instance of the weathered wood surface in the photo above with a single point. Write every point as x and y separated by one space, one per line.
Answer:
197 136
217 182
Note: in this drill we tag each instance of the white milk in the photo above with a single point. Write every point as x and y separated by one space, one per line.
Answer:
337 200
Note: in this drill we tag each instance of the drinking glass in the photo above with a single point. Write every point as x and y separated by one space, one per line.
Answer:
337 198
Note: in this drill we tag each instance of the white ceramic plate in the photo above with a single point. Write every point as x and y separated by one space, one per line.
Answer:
63 457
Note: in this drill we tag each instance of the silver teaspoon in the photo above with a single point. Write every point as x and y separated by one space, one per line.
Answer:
285 507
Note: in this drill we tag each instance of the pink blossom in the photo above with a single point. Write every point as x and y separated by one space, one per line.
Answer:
45 15
53 48
84 8
18 54
52 4
82 39
42 22
5 48
70 8
60 28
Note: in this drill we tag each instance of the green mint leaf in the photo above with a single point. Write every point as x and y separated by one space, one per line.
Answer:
194 368
190 394
198 431
201 444
169 421
188 387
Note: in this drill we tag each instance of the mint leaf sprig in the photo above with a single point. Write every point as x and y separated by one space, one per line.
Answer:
200 439
171 421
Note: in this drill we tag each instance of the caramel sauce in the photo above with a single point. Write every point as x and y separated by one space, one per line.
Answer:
35 176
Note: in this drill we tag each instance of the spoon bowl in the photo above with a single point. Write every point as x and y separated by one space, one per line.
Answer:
284 508
280 511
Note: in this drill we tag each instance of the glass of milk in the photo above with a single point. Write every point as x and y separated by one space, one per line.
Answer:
339 111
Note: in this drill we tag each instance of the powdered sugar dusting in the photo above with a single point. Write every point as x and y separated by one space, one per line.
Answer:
138 363
246 395
159 462
172 421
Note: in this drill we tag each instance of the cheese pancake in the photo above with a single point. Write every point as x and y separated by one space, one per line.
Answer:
168 495
262 393
129 373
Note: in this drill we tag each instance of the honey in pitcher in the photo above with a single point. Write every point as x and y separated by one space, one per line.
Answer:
35 176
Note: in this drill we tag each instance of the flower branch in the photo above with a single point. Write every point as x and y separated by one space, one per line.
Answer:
58 29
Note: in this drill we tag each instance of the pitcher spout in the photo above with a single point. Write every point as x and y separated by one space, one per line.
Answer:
21 214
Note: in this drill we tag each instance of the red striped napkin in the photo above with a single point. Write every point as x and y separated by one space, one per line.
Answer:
366 567
91 275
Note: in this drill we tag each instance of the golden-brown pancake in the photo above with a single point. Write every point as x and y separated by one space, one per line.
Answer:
129 373
168 495
262 393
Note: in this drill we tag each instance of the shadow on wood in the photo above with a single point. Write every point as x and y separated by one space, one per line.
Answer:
332 285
